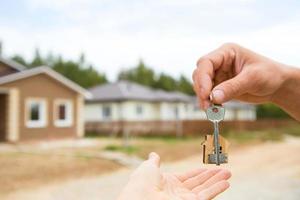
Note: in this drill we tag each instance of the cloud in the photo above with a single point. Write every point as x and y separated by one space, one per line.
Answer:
169 34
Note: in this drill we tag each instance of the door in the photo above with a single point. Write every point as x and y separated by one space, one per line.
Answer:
3 116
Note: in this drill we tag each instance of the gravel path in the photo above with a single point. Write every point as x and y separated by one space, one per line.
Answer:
267 171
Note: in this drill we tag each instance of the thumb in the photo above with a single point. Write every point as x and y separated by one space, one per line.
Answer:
154 158
230 89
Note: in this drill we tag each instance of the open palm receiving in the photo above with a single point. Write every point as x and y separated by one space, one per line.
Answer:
148 182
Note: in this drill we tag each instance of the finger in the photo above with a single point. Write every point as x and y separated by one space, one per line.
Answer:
204 77
186 175
205 85
220 58
231 88
221 175
154 159
214 190
197 88
148 170
206 104
198 180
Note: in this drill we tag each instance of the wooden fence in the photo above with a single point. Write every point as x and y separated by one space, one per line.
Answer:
185 127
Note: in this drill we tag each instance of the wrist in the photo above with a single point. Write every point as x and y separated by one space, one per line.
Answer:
288 88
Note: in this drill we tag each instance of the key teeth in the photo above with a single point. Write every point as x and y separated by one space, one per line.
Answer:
212 158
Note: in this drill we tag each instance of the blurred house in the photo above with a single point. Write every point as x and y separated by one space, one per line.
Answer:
38 103
126 105
235 111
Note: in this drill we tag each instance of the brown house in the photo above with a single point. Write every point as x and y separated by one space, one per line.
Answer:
38 103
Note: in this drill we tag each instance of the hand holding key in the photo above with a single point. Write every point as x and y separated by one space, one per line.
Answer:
234 72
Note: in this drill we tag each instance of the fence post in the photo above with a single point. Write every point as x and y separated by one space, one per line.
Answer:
126 137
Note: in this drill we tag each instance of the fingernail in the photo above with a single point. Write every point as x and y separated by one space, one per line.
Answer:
218 96
152 155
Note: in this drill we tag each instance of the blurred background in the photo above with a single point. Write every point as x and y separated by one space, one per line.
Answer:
88 88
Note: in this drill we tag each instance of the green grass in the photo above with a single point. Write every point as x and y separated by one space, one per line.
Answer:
170 139
292 130
95 135
120 148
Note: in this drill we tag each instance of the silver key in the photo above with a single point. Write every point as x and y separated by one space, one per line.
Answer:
215 113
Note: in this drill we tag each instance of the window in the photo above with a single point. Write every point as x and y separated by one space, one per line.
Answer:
36 115
106 112
35 112
63 113
176 113
139 110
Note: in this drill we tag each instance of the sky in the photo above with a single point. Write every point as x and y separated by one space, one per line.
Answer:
169 35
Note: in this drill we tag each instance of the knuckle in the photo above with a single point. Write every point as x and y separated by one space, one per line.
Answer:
199 61
229 46
202 61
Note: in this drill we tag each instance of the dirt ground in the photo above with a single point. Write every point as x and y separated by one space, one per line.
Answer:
28 166
264 171
21 170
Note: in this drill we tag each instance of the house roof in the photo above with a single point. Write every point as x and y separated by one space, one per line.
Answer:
12 64
125 90
45 70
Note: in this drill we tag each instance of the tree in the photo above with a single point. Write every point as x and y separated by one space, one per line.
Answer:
144 75
165 82
19 59
140 74
86 76
37 59
270 111
82 59
78 71
185 86
50 59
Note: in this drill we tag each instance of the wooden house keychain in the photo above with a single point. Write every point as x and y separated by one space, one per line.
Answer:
215 147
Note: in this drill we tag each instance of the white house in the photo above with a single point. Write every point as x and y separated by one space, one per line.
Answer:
125 101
